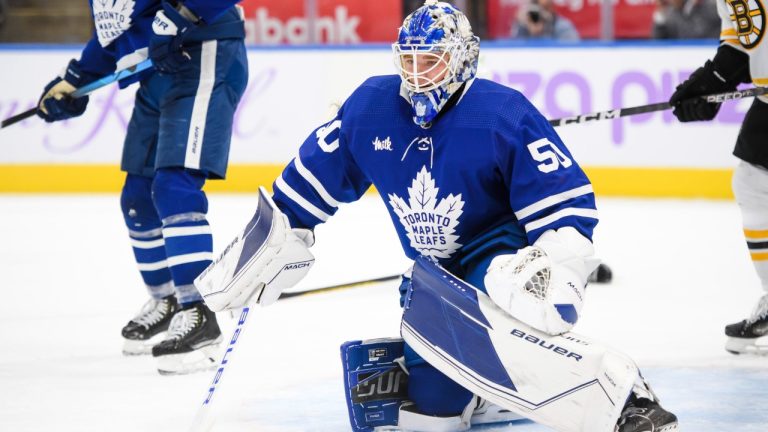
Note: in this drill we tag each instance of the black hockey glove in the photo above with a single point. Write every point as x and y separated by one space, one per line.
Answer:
166 45
705 80
55 104
729 68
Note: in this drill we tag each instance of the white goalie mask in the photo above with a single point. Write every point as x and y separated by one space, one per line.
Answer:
435 53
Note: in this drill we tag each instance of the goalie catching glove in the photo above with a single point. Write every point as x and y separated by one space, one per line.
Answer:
266 258
543 285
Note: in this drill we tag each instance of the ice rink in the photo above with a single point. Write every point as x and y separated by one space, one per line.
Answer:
681 272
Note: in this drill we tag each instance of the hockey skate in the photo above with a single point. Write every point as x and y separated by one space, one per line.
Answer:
191 344
148 327
750 336
645 415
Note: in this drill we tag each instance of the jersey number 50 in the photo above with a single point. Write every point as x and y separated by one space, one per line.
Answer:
546 151
330 131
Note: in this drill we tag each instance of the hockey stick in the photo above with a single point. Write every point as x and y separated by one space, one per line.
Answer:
85 90
289 295
203 420
661 106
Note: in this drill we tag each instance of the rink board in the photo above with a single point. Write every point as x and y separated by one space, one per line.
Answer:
636 156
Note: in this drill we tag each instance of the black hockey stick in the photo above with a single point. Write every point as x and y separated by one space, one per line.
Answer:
85 90
661 106
289 295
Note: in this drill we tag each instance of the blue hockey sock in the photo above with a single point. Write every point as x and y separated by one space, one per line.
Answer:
182 205
144 230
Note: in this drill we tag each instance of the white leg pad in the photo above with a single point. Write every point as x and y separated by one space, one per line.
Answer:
566 382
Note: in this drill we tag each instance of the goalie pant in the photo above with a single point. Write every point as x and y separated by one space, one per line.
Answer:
566 382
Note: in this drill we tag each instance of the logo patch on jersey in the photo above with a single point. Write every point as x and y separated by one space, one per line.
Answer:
379 145
429 224
111 19
748 16
421 109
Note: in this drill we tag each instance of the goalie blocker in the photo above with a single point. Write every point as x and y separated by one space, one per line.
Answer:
266 258
566 382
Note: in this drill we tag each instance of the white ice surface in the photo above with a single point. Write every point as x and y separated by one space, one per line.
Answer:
681 272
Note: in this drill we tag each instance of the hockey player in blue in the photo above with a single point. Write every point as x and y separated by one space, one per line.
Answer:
178 136
483 195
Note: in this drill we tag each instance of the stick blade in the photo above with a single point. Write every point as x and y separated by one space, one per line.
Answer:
18 117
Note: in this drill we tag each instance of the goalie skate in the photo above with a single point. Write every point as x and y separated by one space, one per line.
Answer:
750 336
148 327
645 415
192 342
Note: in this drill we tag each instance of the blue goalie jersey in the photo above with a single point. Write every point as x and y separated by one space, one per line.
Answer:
490 160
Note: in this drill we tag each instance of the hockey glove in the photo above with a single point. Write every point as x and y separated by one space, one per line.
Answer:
543 285
55 104
166 46
267 257
705 80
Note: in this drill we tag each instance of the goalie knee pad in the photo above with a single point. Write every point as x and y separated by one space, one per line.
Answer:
375 382
377 386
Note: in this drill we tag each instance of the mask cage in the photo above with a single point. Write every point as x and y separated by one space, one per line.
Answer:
433 56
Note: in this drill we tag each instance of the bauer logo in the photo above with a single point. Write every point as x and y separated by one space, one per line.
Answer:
546 345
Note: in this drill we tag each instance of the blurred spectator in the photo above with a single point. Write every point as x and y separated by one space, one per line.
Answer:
686 19
3 8
538 20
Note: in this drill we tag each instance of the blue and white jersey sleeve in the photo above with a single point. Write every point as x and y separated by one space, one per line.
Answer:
547 188
322 176
97 60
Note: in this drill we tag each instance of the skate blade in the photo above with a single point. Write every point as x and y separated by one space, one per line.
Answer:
202 359
141 347
669 428
756 346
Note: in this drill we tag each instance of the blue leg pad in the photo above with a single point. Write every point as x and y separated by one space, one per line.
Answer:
374 383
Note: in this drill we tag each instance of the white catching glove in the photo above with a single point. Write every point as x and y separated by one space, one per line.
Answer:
265 259
543 285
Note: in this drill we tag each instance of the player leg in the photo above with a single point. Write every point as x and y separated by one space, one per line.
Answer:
194 335
566 382
144 229
750 186
197 111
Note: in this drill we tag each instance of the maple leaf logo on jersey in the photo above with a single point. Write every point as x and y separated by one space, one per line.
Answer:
429 224
112 18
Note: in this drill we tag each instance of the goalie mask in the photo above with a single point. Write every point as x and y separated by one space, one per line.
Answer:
435 53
